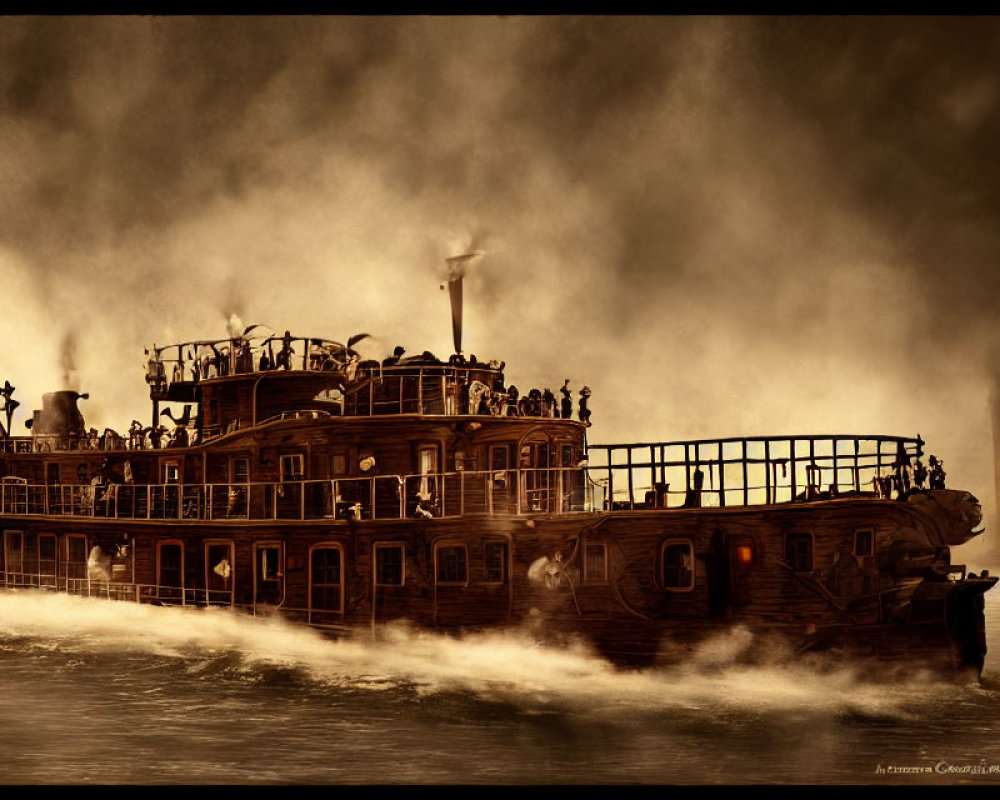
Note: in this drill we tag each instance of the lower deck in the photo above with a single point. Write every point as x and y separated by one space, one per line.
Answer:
632 578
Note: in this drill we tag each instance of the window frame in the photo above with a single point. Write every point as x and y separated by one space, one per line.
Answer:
677 542
378 546
233 461
428 485
275 584
54 574
871 543
166 469
68 539
286 477
805 536
339 611
339 463
504 557
586 572
210 570
160 544
8 537
451 545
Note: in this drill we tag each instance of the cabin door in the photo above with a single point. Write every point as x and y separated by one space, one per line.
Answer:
53 489
501 480
170 571
13 546
269 575
219 562
326 583
47 560
536 483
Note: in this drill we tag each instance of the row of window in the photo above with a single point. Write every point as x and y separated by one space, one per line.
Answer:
74 557
292 466
451 562
799 548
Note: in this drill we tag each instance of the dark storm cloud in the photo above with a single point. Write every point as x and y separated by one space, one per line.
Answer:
905 111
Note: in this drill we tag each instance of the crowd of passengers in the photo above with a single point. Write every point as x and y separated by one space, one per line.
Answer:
238 356
497 400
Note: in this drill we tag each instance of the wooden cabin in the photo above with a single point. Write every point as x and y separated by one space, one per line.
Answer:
297 479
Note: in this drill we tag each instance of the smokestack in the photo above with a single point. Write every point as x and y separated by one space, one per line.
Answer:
456 271
59 415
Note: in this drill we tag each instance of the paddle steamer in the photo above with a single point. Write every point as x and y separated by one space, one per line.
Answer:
296 478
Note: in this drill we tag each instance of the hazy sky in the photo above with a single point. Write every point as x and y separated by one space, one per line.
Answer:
722 225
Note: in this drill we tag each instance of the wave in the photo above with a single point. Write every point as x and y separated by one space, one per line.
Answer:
509 666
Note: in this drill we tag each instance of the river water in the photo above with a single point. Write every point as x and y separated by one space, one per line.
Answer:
99 692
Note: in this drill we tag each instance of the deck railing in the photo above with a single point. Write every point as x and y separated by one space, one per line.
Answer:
551 490
752 471
716 472
114 589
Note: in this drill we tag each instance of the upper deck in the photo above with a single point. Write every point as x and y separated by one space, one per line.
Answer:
740 473
236 384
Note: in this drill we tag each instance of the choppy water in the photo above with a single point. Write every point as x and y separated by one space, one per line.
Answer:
95 692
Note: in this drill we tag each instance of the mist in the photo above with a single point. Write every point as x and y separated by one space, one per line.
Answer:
510 667
723 226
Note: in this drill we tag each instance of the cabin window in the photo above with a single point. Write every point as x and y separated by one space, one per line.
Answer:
52 474
82 475
170 570
47 558
452 564
678 565
743 554
495 562
76 556
269 563
499 464
219 563
389 565
13 551
566 454
326 578
239 470
291 467
338 463
595 563
864 542
427 467
799 551
171 473
269 585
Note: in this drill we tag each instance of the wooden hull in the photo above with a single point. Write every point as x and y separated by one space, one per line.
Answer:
641 587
